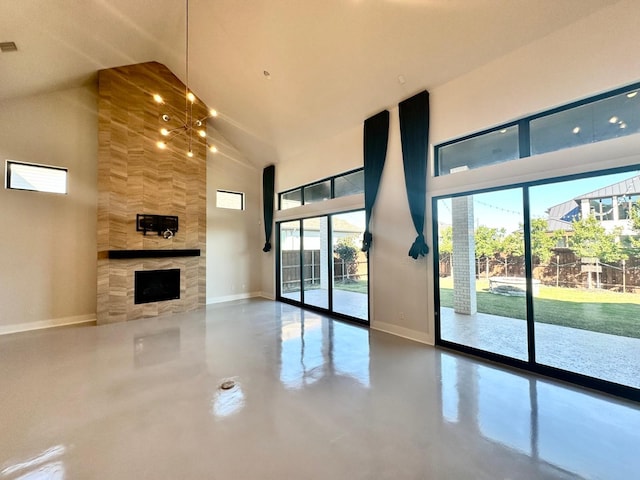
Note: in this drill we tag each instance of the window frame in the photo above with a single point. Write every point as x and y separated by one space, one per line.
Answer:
524 125
7 177
530 365
302 188
231 192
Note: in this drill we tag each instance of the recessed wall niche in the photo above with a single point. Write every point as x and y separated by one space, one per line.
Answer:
134 177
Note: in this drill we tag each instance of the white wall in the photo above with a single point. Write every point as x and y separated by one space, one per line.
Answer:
331 156
48 241
583 59
234 238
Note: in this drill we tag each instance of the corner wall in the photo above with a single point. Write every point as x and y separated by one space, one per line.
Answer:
48 242
234 238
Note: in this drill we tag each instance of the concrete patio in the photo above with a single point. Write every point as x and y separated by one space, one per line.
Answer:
608 357
353 304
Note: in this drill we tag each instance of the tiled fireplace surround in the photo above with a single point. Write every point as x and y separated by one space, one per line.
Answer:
135 177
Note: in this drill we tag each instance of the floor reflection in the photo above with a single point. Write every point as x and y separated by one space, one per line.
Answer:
314 347
227 402
314 399
533 417
156 348
46 465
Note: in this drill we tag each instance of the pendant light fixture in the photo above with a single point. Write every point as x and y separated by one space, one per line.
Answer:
189 125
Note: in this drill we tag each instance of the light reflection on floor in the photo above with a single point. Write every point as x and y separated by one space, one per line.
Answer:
43 466
566 430
314 346
314 399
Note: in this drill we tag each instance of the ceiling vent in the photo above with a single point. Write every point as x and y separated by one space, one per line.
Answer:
8 47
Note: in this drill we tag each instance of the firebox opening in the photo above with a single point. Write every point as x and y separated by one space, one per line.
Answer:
156 285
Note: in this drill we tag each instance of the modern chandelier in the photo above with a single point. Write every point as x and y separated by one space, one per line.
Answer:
190 127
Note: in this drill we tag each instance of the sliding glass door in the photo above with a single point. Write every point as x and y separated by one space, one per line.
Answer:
321 264
587 316
290 284
315 268
351 275
482 275
545 276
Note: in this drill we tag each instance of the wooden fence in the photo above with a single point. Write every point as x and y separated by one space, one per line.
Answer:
311 268
563 270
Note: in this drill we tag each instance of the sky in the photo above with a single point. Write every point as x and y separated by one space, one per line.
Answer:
503 208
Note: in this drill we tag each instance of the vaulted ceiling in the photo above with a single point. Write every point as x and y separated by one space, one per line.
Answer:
332 63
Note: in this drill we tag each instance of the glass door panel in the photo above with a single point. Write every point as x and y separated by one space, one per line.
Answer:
350 267
315 269
586 254
290 284
482 272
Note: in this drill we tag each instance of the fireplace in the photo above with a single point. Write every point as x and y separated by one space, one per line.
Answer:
156 285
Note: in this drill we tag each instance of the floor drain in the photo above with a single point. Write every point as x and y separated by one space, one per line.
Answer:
227 385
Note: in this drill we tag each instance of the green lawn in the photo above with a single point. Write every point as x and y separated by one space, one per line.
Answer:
595 310
358 286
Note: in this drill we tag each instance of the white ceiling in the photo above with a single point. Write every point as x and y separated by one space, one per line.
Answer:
333 63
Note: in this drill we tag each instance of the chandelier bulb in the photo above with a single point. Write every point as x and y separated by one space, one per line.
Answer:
158 98
213 148
190 154
166 117
161 145
191 97
164 132
213 113
202 133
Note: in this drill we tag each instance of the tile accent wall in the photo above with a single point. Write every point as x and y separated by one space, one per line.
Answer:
134 176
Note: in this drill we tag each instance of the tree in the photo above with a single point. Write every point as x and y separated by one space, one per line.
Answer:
635 216
488 242
542 243
347 251
590 239
512 246
445 241
634 219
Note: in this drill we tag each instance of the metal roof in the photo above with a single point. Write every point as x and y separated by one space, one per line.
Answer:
630 186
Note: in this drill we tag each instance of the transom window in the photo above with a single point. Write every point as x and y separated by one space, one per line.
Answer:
349 183
610 115
231 200
37 178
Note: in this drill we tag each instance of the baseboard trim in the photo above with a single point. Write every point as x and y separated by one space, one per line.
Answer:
51 323
231 298
407 333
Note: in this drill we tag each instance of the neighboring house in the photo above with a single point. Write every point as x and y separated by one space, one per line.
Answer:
611 205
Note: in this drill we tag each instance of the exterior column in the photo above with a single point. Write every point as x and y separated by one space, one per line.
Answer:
325 248
463 258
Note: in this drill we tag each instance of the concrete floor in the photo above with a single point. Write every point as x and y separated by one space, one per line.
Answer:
313 399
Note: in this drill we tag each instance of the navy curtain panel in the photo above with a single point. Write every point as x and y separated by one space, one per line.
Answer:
414 134
376 137
268 187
